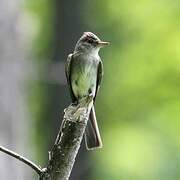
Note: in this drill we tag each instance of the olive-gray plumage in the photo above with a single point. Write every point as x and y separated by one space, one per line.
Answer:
84 72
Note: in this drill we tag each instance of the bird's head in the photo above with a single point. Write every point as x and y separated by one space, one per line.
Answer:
89 43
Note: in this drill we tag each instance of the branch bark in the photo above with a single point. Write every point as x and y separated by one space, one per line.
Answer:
67 144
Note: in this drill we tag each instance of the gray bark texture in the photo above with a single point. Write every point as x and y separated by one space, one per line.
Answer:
67 144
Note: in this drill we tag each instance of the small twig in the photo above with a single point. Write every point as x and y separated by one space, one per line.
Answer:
22 159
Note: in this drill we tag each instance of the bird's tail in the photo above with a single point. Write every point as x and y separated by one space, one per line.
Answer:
92 135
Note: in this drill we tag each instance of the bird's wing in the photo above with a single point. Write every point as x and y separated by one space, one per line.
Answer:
99 77
68 75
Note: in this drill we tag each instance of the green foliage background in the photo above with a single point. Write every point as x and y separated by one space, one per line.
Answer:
139 101
138 104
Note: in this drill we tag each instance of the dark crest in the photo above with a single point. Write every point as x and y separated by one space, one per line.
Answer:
87 41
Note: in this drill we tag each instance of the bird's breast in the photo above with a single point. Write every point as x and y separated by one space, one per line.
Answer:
84 77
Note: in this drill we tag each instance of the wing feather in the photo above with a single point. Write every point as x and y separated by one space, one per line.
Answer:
68 75
99 77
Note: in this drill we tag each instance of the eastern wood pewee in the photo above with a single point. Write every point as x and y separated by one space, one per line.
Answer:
84 71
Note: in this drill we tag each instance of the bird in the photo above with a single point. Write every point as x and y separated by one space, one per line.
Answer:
84 72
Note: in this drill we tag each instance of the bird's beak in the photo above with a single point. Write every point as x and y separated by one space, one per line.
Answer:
103 43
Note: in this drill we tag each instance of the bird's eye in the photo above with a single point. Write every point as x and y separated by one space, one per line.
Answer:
90 41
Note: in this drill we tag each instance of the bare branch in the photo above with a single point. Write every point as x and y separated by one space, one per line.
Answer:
63 154
65 149
22 159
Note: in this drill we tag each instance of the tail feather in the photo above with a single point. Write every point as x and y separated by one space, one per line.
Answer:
92 135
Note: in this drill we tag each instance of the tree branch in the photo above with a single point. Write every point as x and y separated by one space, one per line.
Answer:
22 159
67 144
